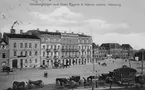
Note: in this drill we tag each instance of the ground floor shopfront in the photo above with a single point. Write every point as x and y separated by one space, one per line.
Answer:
50 62
24 62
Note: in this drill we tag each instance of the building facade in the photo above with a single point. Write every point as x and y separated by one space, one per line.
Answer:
4 53
24 50
85 49
116 50
63 47
140 54
95 50
50 46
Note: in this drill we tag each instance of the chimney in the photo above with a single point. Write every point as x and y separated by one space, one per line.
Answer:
46 30
21 31
37 29
72 32
12 31
82 33
64 31
57 31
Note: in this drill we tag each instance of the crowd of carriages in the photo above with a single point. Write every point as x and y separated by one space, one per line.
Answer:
123 76
22 85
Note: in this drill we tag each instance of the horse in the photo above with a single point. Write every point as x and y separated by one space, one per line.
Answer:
61 81
71 84
38 83
18 85
75 78
6 69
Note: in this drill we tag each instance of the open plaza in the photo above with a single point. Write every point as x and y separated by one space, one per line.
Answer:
82 70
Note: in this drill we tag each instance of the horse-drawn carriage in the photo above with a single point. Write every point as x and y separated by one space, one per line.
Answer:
71 82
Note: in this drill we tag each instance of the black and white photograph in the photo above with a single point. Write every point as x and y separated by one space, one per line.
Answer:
72 44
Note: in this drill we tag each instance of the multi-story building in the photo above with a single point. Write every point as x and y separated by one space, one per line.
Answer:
140 54
70 50
118 51
4 53
66 48
50 46
95 50
103 52
127 51
85 49
24 50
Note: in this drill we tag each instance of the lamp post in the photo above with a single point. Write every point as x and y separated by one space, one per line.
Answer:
142 67
93 62
129 57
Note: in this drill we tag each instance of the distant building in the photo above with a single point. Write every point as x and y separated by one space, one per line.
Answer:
24 50
140 54
117 51
95 52
127 51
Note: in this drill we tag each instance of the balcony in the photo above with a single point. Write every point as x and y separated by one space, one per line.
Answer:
55 49
83 50
48 50
56 57
88 50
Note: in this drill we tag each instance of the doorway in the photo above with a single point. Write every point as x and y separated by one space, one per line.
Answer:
14 63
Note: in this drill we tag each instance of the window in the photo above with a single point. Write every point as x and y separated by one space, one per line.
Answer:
43 54
14 45
25 53
30 61
21 45
35 52
54 46
30 45
21 53
47 46
4 56
43 46
58 46
26 61
35 45
15 53
51 46
30 53
25 45
35 60
3 46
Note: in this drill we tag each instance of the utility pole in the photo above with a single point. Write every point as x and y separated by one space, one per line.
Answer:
142 61
129 57
142 67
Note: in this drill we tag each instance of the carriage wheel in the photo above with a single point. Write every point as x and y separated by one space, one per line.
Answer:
41 85
58 83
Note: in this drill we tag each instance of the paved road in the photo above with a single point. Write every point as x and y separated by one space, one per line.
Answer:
35 74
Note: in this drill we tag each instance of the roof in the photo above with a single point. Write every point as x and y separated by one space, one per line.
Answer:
94 45
126 46
2 40
82 35
125 69
110 45
51 33
25 36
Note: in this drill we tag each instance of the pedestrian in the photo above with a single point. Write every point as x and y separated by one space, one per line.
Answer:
45 74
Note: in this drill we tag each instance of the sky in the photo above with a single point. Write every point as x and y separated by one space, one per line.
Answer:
107 21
